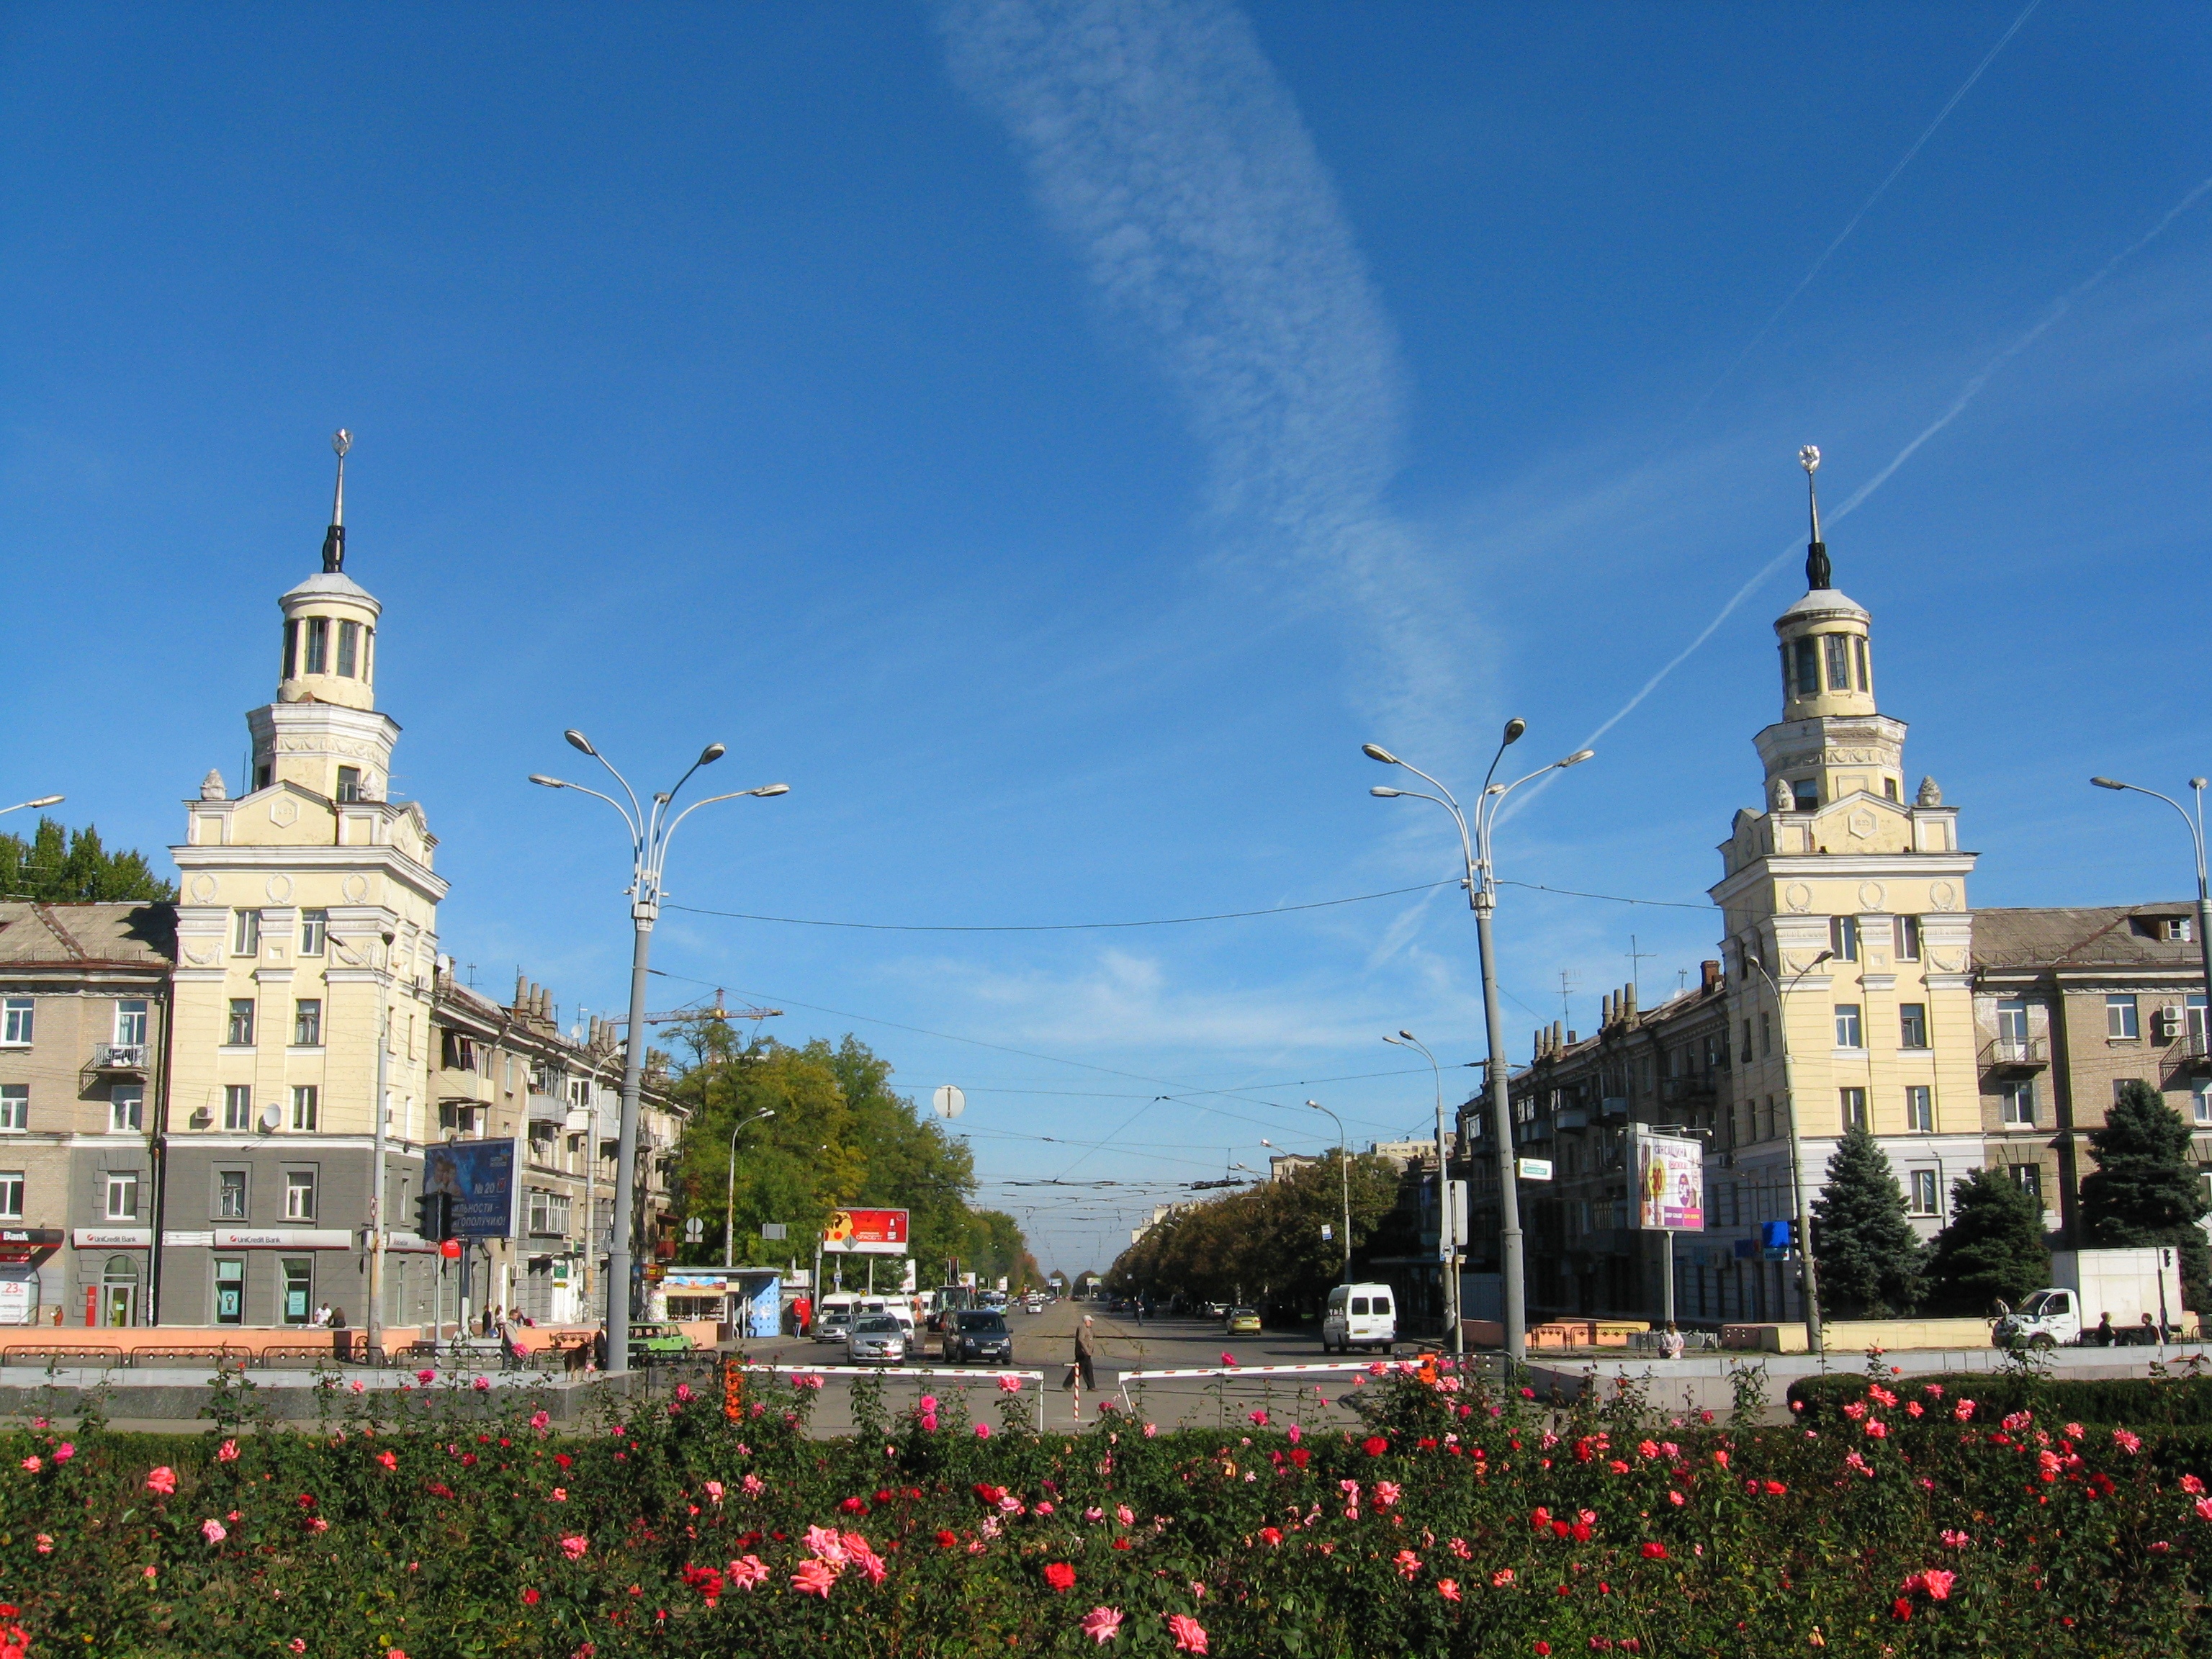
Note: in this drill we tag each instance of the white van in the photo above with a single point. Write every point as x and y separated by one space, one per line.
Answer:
1359 1316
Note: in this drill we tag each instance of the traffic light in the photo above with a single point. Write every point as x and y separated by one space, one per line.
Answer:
434 1217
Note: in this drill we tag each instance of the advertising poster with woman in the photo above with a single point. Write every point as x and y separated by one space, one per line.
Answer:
1670 1181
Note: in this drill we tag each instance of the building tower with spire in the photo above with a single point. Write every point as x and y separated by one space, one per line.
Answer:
307 918
1880 1029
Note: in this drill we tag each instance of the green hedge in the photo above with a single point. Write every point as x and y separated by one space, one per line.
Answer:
2181 1402
1454 1523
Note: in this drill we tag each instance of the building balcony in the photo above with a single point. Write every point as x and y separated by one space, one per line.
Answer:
2015 1056
1614 1106
120 1059
546 1108
2189 1051
1572 1117
1687 1091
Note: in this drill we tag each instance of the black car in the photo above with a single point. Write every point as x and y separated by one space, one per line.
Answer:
978 1334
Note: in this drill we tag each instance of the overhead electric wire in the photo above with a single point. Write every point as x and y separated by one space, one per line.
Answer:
1062 927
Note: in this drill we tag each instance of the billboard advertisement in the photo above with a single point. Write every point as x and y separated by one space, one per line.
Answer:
866 1232
478 1175
1670 1180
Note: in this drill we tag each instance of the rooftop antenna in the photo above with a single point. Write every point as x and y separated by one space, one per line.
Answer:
1569 982
334 537
1636 960
1817 573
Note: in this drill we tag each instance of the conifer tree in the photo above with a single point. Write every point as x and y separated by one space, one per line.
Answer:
59 865
1868 1256
2146 1189
1992 1247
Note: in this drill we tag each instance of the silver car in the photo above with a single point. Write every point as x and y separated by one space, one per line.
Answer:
876 1338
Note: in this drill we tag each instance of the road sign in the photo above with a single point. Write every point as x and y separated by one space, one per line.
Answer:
695 1230
774 1231
948 1100
1533 1169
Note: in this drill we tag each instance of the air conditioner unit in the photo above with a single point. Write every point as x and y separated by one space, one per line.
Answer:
2170 1019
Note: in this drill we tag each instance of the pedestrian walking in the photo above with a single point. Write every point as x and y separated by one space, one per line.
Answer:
1087 1354
1670 1344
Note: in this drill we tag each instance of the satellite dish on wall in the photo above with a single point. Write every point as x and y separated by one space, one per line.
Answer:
948 1100
271 1115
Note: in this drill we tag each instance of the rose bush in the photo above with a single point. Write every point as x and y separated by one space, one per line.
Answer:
1455 1521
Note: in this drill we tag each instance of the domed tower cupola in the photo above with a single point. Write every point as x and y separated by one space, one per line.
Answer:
330 622
1827 663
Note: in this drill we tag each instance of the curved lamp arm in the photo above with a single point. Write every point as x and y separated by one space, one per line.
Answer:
637 830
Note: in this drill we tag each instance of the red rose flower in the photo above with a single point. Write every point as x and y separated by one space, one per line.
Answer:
1901 1608
530 1598
946 1540
1059 1575
1655 1550
1374 1445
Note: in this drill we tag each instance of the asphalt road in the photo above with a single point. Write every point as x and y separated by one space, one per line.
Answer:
1046 1342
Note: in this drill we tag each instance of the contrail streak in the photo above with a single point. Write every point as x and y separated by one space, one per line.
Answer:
1879 190
1972 390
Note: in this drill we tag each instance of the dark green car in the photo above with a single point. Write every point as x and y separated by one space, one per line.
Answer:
656 1341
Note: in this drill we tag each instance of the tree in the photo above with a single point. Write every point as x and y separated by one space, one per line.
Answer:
1992 1247
1869 1257
2146 1189
69 867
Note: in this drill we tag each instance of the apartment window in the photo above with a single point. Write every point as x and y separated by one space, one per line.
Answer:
2016 1108
2120 1017
1843 937
229 1292
2175 930
1839 661
2119 1085
1912 1025
1848 1032
1923 1191
2028 1177
305 1099
237 1106
368 653
123 1195
308 1023
16 1022
1765 1035
240 1034
1908 939
1866 680
1920 1109
349 783
1766 1120
2200 1100
1889 788
299 1195
230 1194
291 645
130 1022
126 1109
541 1143
1806 794
14 1105
318 645
2196 1020
1747 1049
348 647
314 932
245 934
12 1194
1855 1112
549 1214
1808 668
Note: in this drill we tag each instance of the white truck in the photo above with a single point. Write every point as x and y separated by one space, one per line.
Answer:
2124 1285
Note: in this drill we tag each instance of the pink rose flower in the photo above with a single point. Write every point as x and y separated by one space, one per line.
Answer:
574 1545
814 1578
162 1480
1189 1635
228 1452
213 1531
1102 1624
748 1572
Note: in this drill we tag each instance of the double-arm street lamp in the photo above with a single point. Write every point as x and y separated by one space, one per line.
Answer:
1447 1242
730 1214
649 833
1481 885
1796 1161
2203 895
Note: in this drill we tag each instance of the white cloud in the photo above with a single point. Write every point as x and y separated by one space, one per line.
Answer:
1162 146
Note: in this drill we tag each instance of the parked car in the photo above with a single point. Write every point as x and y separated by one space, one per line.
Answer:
1241 1322
978 1334
834 1323
876 1338
1359 1316
650 1339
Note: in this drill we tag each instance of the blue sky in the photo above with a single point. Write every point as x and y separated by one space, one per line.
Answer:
1052 439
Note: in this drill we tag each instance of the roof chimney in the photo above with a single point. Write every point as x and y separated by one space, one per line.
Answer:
1709 976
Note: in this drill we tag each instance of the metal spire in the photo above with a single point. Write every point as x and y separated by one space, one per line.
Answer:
334 537
1817 573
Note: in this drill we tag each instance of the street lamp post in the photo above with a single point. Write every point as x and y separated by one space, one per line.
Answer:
1447 1241
649 834
730 1213
1343 1169
1797 1160
2203 894
43 801
1481 883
